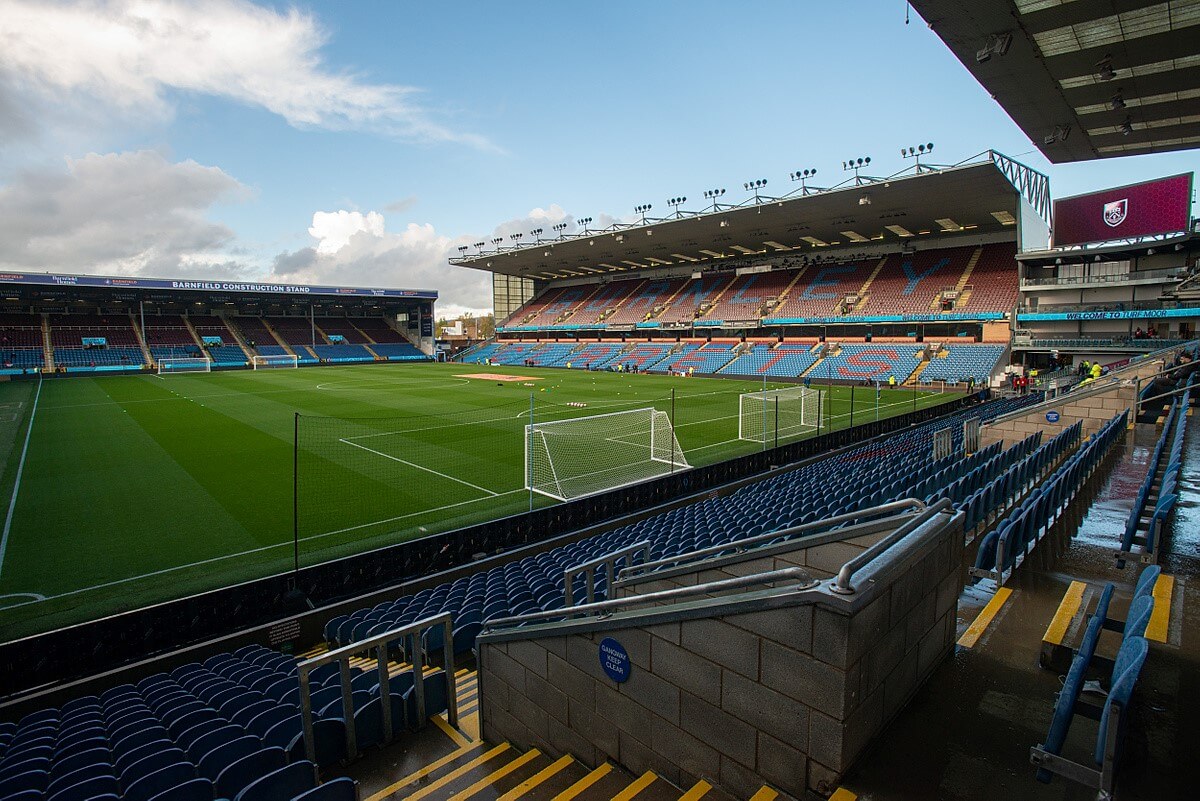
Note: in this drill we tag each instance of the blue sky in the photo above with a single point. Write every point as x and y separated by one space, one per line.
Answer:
360 142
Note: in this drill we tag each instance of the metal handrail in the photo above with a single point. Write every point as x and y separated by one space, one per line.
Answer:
739 546
379 642
588 569
841 585
797 573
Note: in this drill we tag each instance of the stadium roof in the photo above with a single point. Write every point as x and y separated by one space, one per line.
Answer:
979 197
1083 79
239 287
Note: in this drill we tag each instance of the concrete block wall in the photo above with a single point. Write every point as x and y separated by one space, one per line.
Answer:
786 696
1093 407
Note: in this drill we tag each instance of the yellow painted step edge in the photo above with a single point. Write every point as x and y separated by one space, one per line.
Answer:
584 783
535 780
457 773
640 783
497 775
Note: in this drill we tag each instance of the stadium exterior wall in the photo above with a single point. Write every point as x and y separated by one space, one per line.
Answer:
345 584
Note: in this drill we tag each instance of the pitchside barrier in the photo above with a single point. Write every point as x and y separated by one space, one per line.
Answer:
117 640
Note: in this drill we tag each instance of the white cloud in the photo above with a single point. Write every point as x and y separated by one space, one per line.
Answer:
128 56
118 213
334 228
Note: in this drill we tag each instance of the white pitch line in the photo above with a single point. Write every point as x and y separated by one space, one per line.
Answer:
239 554
419 467
12 504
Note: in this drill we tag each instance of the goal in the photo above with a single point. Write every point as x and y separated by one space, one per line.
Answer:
275 361
184 364
778 413
567 459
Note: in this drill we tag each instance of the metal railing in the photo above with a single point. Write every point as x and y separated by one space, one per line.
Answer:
842 586
609 560
604 608
746 543
379 643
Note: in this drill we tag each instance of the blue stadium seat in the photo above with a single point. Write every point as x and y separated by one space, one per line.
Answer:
282 784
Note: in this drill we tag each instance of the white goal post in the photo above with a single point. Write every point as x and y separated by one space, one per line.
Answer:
568 459
172 365
274 361
798 410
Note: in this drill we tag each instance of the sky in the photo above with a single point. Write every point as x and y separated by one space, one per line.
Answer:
360 143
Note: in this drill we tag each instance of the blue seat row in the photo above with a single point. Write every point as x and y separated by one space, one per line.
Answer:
1173 433
228 728
1122 675
1002 548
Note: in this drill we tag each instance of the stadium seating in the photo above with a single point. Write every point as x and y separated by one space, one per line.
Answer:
704 359
120 352
343 327
342 354
1121 675
378 330
870 362
993 282
551 354
751 296
646 297
21 344
1161 482
895 467
596 355
693 301
643 356
821 288
228 728
605 299
399 352
786 360
909 284
960 362
1003 548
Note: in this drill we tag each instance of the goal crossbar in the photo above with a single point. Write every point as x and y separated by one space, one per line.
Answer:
581 456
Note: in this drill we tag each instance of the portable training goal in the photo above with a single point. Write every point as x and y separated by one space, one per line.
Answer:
184 364
567 459
275 361
778 413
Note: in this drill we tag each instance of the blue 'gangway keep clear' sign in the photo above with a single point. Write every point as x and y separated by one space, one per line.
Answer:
614 659
1051 416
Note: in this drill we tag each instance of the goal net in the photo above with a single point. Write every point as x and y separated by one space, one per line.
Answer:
568 459
275 361
778 413
184 364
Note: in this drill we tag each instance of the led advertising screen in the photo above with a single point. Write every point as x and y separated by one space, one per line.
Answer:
1154 207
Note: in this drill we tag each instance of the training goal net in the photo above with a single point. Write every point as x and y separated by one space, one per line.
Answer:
777 414
567 459
275 361
184 364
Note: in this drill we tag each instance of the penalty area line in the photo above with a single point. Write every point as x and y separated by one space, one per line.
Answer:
419 467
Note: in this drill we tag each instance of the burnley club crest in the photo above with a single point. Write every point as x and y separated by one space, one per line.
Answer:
1114 213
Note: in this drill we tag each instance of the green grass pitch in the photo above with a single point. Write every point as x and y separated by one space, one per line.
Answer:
138 489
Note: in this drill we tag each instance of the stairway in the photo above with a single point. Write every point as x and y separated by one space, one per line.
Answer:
862 293
141 339
192 330
787 290
47 344
362 333
963 293
278 339
237 337
474 770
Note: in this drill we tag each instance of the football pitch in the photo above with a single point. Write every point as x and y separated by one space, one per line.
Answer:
127 490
